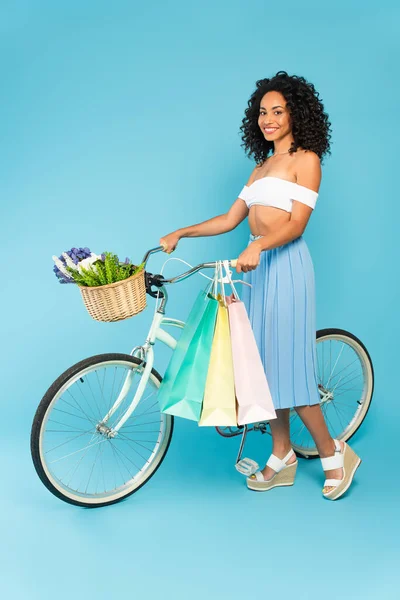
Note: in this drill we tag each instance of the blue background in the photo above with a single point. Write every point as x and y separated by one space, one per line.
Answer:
120 123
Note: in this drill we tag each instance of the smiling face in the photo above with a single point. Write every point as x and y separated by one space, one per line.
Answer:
274 119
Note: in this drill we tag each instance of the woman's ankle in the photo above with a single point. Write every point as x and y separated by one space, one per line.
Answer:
328 449
281 449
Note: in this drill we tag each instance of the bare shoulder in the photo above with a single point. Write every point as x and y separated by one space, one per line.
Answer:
253 174
308 169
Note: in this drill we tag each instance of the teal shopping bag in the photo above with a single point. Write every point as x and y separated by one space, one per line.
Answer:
182 346
182 394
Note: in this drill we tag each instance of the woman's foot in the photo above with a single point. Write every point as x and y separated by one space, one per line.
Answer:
333 473
282 472
268 473
344 462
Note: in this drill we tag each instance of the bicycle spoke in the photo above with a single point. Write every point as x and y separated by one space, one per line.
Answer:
101 470
334 366
91 471
136 442
118 461
344 390
69 440
98 441
66 425
302 428
118 450
93 419
141 431
68 413
140 424
139 442
341 423
145 414
133 416
94 398
344 368
62 399
330 424
101 386
89 461
79 461
125 456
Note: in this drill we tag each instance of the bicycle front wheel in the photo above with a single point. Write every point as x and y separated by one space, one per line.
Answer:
77 454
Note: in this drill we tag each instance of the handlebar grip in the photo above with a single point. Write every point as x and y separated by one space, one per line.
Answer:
233 263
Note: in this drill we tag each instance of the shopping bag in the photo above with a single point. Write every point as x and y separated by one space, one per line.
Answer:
251 385
219 402
179 353
185 397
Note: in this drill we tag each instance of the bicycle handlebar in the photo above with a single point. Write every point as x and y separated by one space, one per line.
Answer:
162 281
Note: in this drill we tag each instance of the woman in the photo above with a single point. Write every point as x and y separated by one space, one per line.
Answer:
287 131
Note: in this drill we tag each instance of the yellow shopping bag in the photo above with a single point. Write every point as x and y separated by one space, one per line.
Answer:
219 401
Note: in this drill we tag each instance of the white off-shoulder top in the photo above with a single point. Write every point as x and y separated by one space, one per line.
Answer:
274 191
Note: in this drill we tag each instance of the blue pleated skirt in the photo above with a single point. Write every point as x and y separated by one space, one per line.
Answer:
281 309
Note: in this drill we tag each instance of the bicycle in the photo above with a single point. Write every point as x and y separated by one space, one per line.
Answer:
120 435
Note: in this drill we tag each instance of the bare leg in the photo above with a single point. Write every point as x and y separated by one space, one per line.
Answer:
313 419
281 439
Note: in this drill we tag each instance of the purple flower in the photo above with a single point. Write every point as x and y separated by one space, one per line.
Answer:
76 255
61 277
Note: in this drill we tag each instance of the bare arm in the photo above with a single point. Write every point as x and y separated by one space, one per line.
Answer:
215 226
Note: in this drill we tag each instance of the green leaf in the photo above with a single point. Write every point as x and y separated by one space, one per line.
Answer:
109 271
90 277
111 267
101 272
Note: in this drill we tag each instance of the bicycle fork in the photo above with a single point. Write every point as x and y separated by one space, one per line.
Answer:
145 354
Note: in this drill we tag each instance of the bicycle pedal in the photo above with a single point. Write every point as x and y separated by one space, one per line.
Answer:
247 466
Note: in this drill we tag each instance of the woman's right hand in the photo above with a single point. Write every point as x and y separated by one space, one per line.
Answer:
169 242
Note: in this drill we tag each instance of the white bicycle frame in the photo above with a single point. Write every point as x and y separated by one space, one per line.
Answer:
145 353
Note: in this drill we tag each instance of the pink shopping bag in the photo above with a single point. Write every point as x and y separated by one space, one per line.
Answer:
252 390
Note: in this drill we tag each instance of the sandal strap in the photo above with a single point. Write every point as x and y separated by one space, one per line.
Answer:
333 462
277 464
259 476
332 482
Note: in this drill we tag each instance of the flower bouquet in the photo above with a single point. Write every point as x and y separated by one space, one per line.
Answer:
111 290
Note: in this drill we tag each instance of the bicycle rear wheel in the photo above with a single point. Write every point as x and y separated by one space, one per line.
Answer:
74 450
345 377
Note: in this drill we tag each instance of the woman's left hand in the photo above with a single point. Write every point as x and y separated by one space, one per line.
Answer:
249 259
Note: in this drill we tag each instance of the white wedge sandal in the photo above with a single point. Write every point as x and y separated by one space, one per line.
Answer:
346 460
285 474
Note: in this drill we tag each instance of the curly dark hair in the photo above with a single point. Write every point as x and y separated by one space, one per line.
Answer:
310 123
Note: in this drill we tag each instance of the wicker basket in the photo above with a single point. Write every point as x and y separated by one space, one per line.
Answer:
116 301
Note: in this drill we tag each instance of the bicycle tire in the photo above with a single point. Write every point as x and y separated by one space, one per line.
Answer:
42 411
342 332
